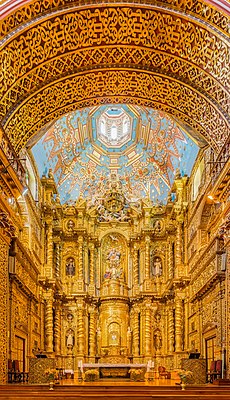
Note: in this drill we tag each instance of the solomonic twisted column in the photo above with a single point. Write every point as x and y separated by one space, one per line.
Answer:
179 262
92 333
81 332
148 331
49 324
80 259
135 266
171 329
49 269
57 330
91 267
136 334
147 258
178 324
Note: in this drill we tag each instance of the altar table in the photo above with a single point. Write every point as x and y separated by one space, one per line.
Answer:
114 370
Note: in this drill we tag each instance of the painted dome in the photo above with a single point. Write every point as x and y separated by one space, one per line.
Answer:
143 147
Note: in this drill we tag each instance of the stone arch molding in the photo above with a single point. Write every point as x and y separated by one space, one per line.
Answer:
151 55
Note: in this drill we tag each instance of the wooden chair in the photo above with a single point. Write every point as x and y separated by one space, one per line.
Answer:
215 371
162 372
218 372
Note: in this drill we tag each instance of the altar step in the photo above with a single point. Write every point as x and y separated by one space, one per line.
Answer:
113 392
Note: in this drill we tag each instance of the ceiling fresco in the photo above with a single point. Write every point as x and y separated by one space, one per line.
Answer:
141 147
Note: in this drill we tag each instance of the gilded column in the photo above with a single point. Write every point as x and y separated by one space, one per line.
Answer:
80 258
178 324
4 247
92 333
170 261
148 330
171 329
49 264
91 267
57 266
81 331
30 326
49 322
57 330
136 333
135 266
179 250
147 258
186 315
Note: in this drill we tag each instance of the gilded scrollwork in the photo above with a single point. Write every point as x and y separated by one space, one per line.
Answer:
141 88
3 308
209 13
107 41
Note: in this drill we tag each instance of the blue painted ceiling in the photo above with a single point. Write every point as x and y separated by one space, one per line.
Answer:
142 147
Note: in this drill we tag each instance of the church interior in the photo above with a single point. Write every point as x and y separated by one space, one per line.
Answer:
114 195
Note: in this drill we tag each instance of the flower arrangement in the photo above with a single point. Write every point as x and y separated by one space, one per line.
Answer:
91 375
136 374
185 376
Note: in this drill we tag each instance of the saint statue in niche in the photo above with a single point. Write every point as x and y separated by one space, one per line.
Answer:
157 267
70 266
157 340
70 338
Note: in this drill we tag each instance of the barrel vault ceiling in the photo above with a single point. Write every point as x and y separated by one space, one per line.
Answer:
59 56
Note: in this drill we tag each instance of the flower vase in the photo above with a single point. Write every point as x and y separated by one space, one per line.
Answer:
51 385
183 385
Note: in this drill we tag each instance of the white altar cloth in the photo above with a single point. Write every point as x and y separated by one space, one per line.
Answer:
106 365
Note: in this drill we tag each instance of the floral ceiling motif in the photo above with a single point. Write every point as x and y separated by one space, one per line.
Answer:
144 148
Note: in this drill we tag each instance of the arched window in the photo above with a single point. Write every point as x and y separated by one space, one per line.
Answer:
113 132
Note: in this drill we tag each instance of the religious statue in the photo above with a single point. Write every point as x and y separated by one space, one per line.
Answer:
157 340
70 267
157 267
114 257
113 270
70 339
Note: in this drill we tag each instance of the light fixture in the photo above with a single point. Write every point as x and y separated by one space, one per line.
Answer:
210 197
25 190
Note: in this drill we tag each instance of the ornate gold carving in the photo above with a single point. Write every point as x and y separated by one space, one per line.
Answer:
190 49
81 331
147 330
6 224
57 329
136 334
27 12
140 88
178 324
4 248
92 333
170 329
146 58
49 323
